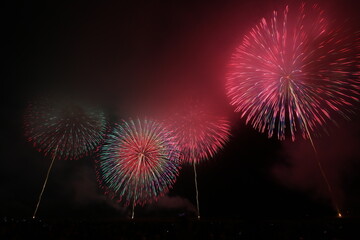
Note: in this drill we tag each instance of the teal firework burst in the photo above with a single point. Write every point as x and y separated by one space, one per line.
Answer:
65 129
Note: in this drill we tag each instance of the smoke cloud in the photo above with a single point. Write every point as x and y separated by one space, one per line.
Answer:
173 202
337 153
85 191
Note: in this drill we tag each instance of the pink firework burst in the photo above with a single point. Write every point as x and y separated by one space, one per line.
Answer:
200 134
293 72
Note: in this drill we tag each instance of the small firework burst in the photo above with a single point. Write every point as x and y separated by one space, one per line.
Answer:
64 129
139 161
200 134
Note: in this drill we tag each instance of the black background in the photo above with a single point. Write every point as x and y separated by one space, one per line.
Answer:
124 53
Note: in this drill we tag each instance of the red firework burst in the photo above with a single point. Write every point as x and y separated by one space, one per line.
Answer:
294 71
139 161
200 134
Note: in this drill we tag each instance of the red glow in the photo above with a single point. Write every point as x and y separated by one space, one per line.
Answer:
200 133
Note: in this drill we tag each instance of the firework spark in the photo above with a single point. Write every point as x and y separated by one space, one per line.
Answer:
292 72
200 134
63 129
139 161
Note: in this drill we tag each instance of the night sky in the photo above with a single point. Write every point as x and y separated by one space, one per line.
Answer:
131 56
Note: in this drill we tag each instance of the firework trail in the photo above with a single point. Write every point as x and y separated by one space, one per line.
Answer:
200 135
293 72
139 162
63 130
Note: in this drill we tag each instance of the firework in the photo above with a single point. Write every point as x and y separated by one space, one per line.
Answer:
139 161
292 72
199 133
64 129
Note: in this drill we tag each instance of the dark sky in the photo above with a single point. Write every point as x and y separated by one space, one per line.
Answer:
126 54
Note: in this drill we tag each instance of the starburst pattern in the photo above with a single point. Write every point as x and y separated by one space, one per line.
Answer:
64 129
295 72
200 134
139 161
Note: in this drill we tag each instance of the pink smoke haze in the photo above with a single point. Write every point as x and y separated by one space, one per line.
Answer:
337 154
